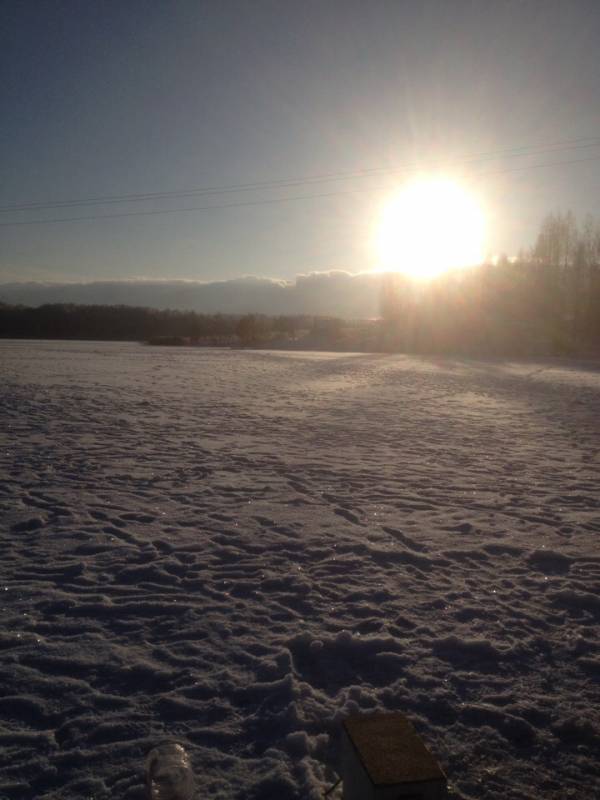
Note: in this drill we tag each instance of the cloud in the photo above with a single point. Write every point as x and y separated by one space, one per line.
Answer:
337 293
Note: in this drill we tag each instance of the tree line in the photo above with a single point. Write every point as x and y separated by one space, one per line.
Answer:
544 301
158 326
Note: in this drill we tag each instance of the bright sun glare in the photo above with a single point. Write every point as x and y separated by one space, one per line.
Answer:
430 226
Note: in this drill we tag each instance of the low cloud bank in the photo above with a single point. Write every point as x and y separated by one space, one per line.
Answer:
335 293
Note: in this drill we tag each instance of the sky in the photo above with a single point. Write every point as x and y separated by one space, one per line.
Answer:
113 99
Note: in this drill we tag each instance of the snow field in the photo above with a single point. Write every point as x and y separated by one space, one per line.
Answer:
237 549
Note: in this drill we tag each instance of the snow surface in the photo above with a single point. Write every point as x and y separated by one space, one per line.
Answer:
237 549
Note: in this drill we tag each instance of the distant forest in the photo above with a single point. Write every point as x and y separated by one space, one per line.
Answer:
545 302
154 326
130 323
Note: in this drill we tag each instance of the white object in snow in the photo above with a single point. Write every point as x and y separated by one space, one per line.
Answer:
383 758
169 774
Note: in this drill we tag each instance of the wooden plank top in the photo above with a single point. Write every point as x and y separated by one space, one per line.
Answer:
390 749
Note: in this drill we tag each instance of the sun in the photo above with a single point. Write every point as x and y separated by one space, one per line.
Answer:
431 225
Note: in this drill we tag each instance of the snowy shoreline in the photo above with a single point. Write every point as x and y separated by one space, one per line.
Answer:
238 549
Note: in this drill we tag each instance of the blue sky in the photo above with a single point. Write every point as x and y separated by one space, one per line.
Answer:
137 97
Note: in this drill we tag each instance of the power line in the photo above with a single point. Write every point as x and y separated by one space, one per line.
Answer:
271 201
174 210
513 152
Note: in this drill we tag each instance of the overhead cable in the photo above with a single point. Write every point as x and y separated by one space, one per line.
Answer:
269 201
281 183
